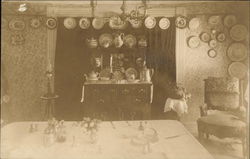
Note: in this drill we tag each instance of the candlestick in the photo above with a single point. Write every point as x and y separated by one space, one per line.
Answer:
111 58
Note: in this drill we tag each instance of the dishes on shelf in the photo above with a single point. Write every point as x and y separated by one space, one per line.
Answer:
221 37
35 23
181 22
237 52
130 41
164 23
51 23
69 23
135 23
230 20
238 32
214 20
84 23
105 40
194 23
150 22
116 22
17 25
205 37
193 42
238 70
212 53
98 23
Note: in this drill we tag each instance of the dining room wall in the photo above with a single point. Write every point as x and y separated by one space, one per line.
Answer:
25 64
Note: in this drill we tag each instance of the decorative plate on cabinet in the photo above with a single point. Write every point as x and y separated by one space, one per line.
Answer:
214 20
35 23
129 41
84 23
194 23
212 43
105 40
150 22
17 24
205 37
51 23
238 32
221 37
98 23
181 22
237 52
238 70
69 23
212 53
130 72
164 23
230 20
193 42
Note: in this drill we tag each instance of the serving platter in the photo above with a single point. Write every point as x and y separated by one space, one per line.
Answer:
84 23
238 32
237 70
164 23
237 52
150 22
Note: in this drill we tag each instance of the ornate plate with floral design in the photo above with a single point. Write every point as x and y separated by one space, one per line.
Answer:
237 52
164 23
69 23
129 41
17 24
238 32
84 23
181 22
98 23
150 22
230 20
35 23
237 70
51 23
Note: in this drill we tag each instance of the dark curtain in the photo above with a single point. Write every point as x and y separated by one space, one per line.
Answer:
72 61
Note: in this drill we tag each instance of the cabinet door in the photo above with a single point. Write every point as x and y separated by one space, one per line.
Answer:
141 94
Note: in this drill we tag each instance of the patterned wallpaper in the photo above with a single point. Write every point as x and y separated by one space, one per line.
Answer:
24 70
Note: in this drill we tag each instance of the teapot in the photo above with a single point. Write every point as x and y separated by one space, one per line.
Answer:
118 40
92 76
146 74
92 43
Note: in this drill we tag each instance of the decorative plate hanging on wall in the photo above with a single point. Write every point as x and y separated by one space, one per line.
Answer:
194 23
205 37
230 20
164 23
214 20
17 25
212 43
69 23
35 23
51 23
193 42
238 32
181 22
238 70
237 52
98 23
221 37
150 22
84 23
212 53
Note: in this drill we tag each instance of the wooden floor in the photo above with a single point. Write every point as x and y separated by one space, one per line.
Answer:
219 148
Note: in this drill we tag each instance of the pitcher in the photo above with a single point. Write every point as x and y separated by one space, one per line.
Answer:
118 40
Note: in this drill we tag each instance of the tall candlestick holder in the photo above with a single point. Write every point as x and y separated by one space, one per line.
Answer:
49 97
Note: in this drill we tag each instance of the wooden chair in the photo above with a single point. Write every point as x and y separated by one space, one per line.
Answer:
222 97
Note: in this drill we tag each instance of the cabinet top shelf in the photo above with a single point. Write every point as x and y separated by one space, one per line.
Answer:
114 82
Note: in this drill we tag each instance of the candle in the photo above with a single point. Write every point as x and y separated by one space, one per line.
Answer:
111 57
50 67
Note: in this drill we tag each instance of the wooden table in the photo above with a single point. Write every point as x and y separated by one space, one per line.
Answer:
114 142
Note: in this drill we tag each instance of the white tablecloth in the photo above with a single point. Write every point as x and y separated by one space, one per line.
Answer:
113 142
177 105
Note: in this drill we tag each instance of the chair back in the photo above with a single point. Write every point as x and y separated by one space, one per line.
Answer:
222 93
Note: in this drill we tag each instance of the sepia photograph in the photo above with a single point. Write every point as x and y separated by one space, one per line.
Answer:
124 79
